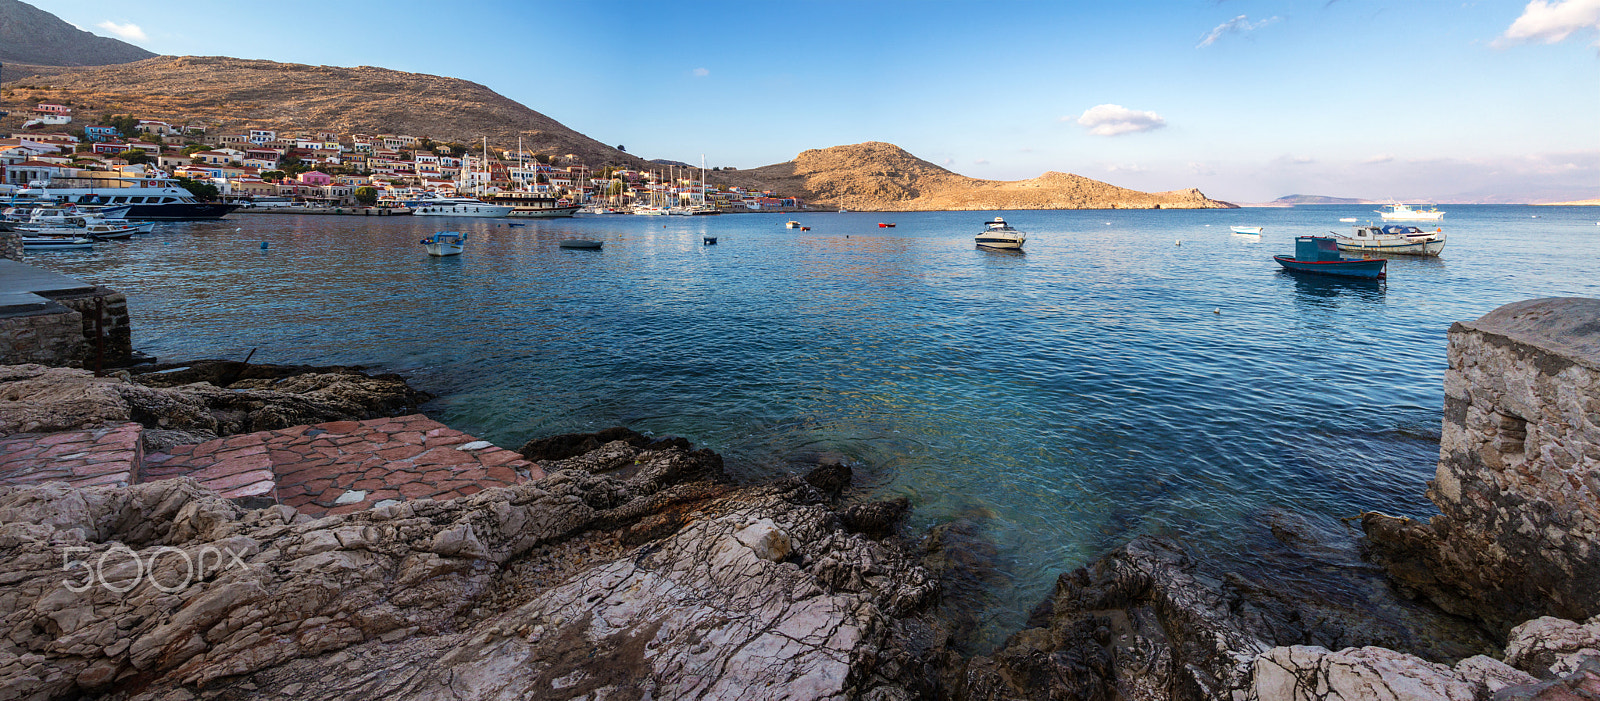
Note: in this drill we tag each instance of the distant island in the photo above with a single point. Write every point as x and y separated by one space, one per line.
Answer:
1292 200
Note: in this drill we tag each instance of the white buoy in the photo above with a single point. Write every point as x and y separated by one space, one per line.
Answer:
1179 242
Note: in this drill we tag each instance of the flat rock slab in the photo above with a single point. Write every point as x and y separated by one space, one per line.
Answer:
345 466
80 458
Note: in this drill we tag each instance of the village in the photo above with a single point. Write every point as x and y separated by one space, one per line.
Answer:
261 167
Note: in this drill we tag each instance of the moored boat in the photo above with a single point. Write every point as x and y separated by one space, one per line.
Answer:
1404 212
1249 230
445 243
1319 255
998 234
882 225
148 196
791 224
582 243
457 207
1394 238
55 243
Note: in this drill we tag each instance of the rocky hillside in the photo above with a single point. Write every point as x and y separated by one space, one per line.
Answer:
31 35
876 176
233 94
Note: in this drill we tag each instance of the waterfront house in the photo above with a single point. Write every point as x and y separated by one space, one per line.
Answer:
316 178
99 132
21 174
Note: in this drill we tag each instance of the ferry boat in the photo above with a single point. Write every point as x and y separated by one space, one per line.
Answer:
998 234
1403 212
1394 238
531 206
150 196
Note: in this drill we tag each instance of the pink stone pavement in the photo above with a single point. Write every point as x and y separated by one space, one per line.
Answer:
335 467
79 458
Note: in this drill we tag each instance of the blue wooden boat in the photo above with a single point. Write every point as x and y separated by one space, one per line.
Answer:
1320 255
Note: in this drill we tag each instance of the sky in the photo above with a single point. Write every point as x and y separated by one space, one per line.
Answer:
1422 100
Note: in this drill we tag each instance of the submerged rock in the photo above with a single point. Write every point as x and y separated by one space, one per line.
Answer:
556 589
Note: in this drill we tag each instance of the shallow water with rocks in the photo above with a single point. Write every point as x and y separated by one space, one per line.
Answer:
1133 372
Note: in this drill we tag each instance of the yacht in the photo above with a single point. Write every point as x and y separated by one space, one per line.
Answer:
1403 212
999 234
149 196
433 206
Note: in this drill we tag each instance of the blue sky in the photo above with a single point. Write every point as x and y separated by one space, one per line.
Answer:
1245 100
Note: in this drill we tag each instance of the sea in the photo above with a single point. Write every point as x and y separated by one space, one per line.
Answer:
1133 372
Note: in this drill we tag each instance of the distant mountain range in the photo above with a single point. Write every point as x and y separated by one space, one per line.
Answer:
31 35
1317 199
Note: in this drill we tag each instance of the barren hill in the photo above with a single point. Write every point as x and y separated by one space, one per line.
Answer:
876 176
31 35
233 94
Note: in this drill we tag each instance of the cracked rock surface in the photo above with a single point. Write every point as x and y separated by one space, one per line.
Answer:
629 572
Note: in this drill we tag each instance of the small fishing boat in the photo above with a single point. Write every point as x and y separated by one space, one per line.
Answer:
1249 230
445 243
1347 220
1394 238
998 234
55 243
791 224
882 225
708 240
1403 212
582 243
1319 255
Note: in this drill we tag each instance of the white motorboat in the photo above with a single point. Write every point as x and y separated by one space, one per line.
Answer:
650 210
1348 220
791 224
55 243
445 243
1403 212
1247 230
998 234
1393 238
148 196
457 207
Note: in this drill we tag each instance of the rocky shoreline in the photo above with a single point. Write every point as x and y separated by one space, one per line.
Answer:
631 567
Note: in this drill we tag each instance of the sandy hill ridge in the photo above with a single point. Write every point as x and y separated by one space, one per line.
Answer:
876 176
31 35
233 94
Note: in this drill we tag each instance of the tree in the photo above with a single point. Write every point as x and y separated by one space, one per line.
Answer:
274 176
191 148
621 148
205 192
366 195
134 156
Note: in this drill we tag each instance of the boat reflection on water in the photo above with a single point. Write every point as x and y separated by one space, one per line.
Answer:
1315 288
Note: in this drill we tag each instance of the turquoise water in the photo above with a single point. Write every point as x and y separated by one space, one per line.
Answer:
1104 384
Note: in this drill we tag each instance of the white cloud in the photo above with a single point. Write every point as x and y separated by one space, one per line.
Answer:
949 161
129 31
1550 22
1111 120
1199 168
1124 168
1237 25
1380 158
701 72
981 162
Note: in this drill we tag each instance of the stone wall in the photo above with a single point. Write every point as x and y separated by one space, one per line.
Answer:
112 320
1518 480
52 338
11 245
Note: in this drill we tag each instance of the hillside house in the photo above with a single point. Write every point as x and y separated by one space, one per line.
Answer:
233 139
21 174
261 136
44 109
149 126
99 132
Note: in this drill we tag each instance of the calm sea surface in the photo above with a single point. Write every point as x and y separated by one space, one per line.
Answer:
1106 383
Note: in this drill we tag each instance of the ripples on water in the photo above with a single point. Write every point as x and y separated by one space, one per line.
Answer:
1074 396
